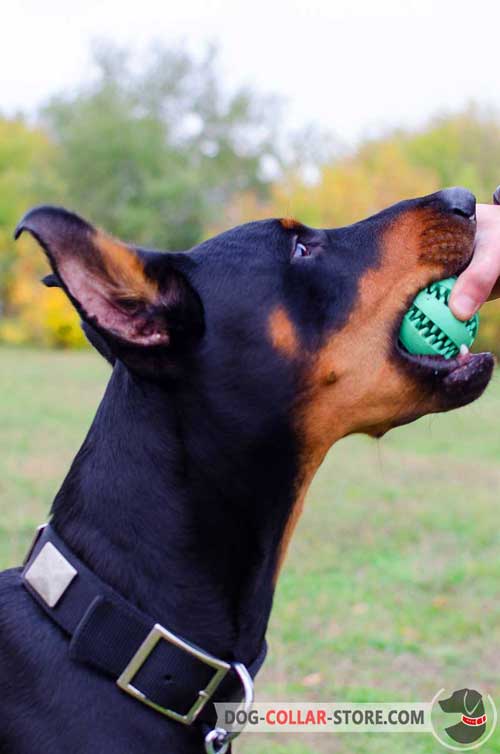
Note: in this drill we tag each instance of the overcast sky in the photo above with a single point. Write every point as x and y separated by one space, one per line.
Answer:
352 66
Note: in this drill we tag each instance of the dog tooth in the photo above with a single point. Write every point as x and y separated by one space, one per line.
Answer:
463 350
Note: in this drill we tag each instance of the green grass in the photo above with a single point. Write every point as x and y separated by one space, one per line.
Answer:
391 587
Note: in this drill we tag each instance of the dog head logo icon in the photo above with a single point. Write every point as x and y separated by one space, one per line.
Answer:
472 724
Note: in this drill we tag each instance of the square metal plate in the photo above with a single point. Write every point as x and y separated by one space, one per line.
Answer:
50 574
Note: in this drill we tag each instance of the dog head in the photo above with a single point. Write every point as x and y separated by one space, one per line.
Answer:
279 321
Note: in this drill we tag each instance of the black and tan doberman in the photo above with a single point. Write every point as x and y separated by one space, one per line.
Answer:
236 366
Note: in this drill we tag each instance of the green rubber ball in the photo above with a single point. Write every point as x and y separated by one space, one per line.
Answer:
429 327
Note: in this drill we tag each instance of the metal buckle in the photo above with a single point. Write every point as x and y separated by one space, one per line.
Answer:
159 633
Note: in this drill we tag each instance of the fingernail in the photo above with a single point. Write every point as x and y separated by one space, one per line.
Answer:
464 307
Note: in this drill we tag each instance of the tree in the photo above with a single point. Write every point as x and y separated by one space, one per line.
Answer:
25 176
153 152
461 149
349 189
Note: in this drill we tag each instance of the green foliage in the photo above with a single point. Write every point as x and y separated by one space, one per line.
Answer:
150 152
28 177
153 154
461 150
26 174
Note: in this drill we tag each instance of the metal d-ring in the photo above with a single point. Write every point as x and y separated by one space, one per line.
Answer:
219 736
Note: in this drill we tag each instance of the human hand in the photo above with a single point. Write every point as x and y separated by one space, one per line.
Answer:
480 281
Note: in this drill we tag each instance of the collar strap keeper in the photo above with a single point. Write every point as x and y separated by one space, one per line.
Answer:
474 720
110 635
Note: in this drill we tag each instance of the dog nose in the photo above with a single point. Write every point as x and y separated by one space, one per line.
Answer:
460 201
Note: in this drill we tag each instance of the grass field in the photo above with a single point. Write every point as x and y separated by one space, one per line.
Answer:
391 588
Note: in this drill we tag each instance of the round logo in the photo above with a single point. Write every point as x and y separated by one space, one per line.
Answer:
464 719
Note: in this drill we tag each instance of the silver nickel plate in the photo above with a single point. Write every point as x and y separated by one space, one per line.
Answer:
50 574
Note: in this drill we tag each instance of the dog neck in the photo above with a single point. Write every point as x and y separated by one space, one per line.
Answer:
180 513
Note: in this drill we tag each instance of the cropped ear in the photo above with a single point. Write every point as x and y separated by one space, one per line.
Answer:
134 299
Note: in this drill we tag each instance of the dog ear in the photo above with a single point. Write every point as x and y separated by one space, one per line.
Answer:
134 299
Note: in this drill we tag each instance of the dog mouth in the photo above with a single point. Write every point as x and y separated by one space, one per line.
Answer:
454 381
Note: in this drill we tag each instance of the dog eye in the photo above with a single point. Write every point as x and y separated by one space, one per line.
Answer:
301 250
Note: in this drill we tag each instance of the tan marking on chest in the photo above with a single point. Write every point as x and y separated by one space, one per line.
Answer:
294 517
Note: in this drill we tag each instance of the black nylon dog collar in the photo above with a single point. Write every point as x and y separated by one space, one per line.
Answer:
109 634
